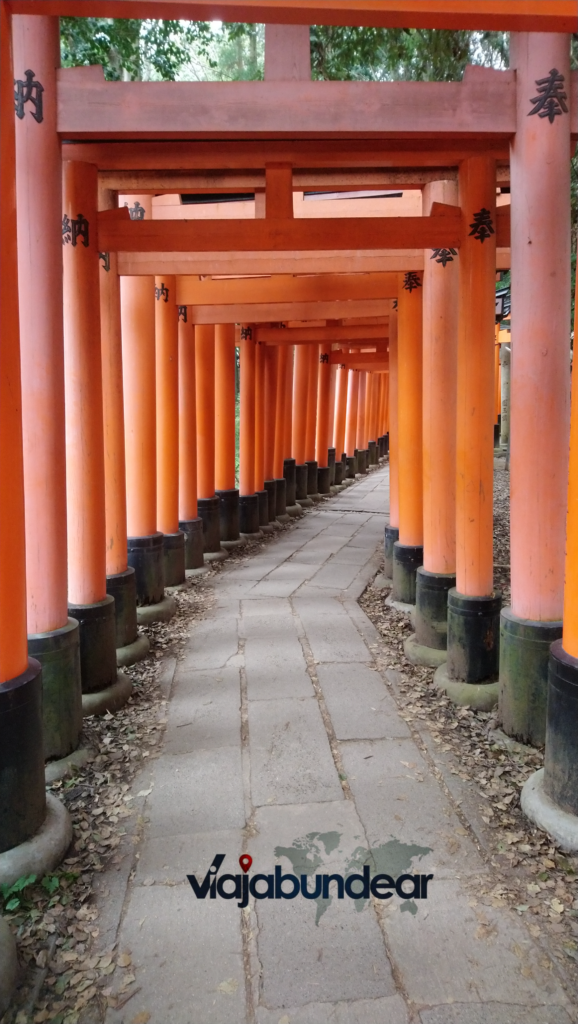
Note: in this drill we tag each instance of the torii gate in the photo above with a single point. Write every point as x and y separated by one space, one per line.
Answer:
337 131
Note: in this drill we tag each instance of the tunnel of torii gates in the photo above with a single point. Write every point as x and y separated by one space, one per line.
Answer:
361 329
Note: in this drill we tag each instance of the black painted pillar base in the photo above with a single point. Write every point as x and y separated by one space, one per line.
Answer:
97 633
351 467
280 501
174 553
209 511
146 557
524 657
373 456
122 586
473 637
22 792
193 531
58 652
431 608
228 514
271 488
338 474
312 466
391 536
331 464
289 474
249 516
407 559
561 757
362 461
301 496
381 446
263 499
323 480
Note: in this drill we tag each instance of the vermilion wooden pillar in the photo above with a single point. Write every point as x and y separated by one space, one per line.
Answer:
392 530
408 550
270 412
351 422
207 502
361 439
23 804
189 520
298 434
474 607
225 481
340 411
137 313
88 599
311 421
262 494
280 430
322 427
539 374
248 499
289 463
167 393
53 636
440 343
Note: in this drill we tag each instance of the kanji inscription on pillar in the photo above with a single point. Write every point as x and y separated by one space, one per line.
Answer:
28 91
411 281
162 292
324 358
136 212
182 313
105 257
246 333
443 256
482 225
551 99
75 228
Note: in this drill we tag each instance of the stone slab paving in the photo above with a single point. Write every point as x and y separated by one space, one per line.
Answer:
284 741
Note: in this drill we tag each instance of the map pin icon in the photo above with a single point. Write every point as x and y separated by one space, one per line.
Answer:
245 861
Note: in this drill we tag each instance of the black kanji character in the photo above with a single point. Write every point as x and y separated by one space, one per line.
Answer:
551 99
246 333
324 358
482 226
80 230
443 256
136 212
28 91
66 230
182 313
411 281
163 290
105 257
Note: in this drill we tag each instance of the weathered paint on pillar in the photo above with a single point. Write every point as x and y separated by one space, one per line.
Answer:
540 226
311 422
440 346
13 642
187 418
247 411
83 387
409 369
300 384
351 417
393 421
340 410
36 43
225 407
475 383
323 399
167 395
205 396
137 310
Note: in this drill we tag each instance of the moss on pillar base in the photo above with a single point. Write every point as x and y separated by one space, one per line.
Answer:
145 555
391 536
193 531
524 656
431 608
122 586
59 654
22 793
406 560
473 637
174 558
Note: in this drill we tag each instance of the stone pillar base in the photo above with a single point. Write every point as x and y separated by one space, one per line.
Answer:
431 608
110 699
323 480
290 481
373 453
561 761
193 531
312 467
294 511
331 464
228 514
9 969
473 637
145 556
351 467
338 474
524 656
281 500
122 586
271 488
174 558
263 498
391 536
58 652
209 513
362 461
419 654
43 851
481 696
407 559
546 814
131 653
97 632
22 794
163 611
249 515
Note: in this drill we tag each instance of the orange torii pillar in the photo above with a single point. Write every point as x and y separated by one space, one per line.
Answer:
322 429
167 393
437 575
351 423
299 431
270 411
120 577
311 423
88 599
225 489
207 501
248 498
361 442
53 637
540 380
408 550
383 416
392 529
280 431
190 522
144 542
340 414
23 804
289 465
473 605
372 382
331 417
260 491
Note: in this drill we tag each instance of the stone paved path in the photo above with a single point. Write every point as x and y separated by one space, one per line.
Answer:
284 741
